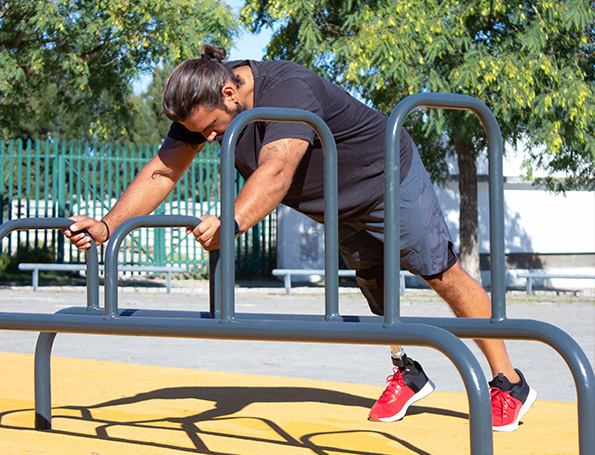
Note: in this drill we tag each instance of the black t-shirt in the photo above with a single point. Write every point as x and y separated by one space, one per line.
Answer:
357 129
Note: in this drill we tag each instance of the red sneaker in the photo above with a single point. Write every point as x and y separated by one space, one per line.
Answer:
405 387
510 402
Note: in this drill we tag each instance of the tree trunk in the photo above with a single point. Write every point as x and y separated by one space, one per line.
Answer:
468 213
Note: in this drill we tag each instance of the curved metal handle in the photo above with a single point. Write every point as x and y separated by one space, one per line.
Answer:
496 185
118 236
331 216
22 224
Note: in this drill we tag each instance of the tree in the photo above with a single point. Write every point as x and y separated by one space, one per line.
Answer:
65 65
147 106
532 63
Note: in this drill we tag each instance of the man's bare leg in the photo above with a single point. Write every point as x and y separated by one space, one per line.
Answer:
469 300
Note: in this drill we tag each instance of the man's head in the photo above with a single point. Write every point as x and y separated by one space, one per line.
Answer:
199 83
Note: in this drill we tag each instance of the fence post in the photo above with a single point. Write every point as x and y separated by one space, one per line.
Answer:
61 198
2 148
159 240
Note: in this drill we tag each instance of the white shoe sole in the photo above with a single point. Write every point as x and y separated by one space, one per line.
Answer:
531 397
424 392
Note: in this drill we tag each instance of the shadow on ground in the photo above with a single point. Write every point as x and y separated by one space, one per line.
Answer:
227 402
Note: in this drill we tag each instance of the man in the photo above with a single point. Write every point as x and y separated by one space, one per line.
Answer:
283 163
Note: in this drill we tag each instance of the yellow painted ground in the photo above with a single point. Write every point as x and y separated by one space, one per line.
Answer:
108 408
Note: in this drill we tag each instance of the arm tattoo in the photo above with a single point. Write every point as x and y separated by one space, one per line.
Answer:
288 151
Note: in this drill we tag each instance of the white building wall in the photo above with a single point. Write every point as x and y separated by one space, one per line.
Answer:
536 221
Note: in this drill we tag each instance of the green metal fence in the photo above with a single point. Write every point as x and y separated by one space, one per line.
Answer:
55 178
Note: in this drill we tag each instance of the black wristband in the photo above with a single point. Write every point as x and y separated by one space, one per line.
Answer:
236 227
107 229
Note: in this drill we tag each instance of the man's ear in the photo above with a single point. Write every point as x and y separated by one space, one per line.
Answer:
229 93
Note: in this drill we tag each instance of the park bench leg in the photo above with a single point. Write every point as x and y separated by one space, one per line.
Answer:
288 284
529 285
43 381
169 282
35 279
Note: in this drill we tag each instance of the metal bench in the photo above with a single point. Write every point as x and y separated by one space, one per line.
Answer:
288 273
168 270
530 276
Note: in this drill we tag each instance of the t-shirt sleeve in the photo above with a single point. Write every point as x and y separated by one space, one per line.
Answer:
291 93
179 132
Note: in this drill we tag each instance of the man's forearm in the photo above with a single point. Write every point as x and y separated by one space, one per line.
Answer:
153 183
261 194
269 183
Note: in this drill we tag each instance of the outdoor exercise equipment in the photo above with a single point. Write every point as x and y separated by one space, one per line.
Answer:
222 322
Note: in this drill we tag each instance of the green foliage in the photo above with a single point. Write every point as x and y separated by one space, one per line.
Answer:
532 63
146 109
26 253
65 65
4 263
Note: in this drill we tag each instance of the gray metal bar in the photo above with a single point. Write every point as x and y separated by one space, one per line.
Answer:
524 329
214 284
496 193
413 334
361 330
392 215
35 279
496 187
331 217
463 328
42 377
113 246
91 255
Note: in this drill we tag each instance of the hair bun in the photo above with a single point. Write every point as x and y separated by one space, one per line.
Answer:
213 53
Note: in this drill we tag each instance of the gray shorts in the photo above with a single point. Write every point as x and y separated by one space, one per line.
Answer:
426 245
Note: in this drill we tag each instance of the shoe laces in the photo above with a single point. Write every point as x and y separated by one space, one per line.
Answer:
395 381
501 401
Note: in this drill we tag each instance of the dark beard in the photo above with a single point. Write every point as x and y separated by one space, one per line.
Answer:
234 113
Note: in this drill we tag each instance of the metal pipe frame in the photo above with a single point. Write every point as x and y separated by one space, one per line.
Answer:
160 320
113 247
496 189
331 216
91 255
498 325
45 341
226 326
192 325
221 322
